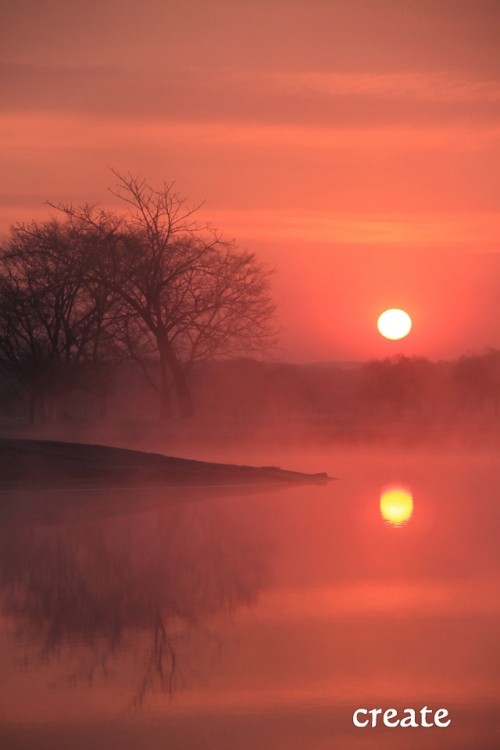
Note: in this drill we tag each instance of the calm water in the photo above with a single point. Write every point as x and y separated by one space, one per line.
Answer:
258 620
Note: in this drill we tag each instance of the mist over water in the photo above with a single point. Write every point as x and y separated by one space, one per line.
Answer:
259 619
401 402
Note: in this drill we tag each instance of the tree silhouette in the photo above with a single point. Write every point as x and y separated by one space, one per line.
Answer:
151 284
477 379
55 322
188 294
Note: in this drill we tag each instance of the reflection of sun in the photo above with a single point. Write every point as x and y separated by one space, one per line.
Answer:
394 324
396 505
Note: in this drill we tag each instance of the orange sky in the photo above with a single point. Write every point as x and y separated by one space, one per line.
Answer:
354 145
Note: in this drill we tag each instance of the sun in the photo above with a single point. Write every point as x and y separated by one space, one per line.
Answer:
396 505
394 324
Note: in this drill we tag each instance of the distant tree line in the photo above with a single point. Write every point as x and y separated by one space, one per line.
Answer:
84 294
353 394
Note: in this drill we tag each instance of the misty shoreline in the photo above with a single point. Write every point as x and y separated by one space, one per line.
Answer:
49 464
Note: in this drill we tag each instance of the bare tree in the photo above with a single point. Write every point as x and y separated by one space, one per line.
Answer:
189 294
55 322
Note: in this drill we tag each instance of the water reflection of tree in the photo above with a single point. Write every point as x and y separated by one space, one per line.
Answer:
103 585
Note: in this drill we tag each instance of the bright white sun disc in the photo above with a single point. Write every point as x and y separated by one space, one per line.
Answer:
394 324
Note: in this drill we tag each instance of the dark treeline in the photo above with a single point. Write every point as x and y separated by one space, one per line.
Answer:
332 395
393 388
90 292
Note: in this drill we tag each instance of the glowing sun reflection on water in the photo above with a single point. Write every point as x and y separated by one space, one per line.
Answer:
396 505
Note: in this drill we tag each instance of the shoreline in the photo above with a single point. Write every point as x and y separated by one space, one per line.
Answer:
40 465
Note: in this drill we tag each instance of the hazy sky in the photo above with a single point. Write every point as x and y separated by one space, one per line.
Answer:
353 144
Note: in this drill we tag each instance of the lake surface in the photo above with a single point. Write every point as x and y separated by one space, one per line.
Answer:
258 619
